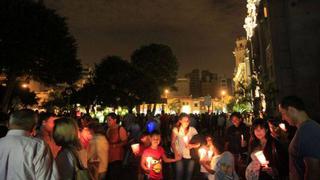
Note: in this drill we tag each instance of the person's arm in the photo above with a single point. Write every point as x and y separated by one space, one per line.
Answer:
143 163
169 160
206 165
173 141
312 171
44 164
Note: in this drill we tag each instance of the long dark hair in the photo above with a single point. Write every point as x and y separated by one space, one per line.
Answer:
254 141
178 124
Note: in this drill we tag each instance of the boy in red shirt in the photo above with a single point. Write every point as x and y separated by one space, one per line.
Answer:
151 161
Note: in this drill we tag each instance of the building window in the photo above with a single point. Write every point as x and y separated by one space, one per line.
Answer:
195 104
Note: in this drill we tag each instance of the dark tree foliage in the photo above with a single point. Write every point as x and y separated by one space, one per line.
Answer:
24 95
119 83
35 41
157 61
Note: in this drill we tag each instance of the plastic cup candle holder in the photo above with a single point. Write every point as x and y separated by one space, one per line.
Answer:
261 158
283 126
135 148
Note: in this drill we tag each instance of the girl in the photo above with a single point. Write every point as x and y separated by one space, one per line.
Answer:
180 138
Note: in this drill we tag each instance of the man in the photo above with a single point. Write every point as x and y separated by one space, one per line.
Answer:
46 133
237 136
22 156
304 149
117 137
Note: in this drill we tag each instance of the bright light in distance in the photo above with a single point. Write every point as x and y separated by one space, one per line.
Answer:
24 85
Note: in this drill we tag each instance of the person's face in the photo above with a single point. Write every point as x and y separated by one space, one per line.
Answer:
111 122
185 122
155 140
272 128
260 132
287 115
235 121
209 141
49 124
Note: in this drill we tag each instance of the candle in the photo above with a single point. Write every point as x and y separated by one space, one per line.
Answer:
135 148
242 138
185 139
202 153
210 153
283 126
149 159
262 159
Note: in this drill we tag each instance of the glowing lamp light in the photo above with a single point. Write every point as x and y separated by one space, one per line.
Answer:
135 148
261 158
151 126
202 153
149 160
283 126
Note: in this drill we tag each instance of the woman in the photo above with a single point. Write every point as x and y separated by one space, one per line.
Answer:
276 155
180 138
65 134
98 152
221 166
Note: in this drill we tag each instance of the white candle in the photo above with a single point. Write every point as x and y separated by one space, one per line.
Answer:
242 138
135 148
283 126
262 159
185 139
210 153
202 153
149 159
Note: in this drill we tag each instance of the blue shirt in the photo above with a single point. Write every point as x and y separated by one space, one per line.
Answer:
305 143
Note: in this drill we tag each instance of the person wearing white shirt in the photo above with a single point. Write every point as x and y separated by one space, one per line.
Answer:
23 156
181 136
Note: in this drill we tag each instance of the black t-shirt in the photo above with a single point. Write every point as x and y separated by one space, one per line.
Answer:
233 137
305 143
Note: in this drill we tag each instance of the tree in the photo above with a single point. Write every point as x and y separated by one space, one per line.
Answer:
118 83
23 97
35 42
157 61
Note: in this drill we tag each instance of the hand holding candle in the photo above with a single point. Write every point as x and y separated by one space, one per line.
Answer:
202 153
261 158
210 154
149 159
243 142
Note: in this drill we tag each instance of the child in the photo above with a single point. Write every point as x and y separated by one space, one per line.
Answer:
151 161
221 165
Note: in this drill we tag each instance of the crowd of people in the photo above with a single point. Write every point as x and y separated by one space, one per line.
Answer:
206 146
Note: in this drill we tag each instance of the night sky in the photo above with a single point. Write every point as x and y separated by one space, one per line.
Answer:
201 33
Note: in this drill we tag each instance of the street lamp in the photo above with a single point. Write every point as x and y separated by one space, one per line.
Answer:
166 92
24 85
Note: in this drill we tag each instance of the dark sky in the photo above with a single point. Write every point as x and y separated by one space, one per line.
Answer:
201 33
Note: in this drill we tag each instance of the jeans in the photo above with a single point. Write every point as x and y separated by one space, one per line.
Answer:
184 169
